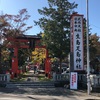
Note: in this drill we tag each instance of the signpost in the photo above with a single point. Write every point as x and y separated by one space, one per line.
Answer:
76 57
77 41
73 80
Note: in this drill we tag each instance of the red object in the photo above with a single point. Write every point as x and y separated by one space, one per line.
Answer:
48 67
15 61
16 45
12 75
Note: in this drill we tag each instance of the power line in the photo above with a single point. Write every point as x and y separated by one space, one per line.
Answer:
82 9
95 26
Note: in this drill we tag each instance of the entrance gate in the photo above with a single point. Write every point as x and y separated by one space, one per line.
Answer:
26 41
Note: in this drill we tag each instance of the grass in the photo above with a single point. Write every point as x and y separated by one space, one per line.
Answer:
24 76
17 80
43 78
20 78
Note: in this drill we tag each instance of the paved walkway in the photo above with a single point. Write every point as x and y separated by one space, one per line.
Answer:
32 77
39 97
45 94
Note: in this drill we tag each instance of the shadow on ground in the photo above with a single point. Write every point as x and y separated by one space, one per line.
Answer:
41 91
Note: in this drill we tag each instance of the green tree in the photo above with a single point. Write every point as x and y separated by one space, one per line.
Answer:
94 47
94 44
56 25
94 52
13 26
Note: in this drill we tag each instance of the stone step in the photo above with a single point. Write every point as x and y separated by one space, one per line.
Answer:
30 84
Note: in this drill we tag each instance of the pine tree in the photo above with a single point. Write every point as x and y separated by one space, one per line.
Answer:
56 26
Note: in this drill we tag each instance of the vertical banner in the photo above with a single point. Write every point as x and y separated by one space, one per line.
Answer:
77 41
71 36
73 80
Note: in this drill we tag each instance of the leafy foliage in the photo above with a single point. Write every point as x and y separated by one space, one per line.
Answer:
38 55
16 23
12 26
94 49
56 25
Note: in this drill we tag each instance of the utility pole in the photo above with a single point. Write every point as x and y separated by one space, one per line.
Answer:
88 65
0 44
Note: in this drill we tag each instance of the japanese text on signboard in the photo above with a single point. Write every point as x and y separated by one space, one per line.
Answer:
78 42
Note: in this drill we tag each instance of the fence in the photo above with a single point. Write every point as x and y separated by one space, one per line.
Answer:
58 77
82 79
4 78
96 80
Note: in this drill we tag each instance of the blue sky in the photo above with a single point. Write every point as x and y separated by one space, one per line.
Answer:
32 6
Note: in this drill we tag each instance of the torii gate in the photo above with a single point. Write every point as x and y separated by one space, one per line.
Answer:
21 39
